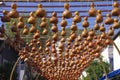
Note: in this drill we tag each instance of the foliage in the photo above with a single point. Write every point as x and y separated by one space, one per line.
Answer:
96 69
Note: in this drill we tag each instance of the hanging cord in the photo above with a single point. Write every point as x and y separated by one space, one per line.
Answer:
13 69
115 46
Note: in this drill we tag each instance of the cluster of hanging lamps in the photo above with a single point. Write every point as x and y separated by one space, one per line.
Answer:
63 57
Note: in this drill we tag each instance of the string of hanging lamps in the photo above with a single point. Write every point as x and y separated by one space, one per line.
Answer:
74 53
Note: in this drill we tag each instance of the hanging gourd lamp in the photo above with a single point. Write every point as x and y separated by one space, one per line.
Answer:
116 24
91 32
67 14
38 42
62 39
85 23
53 48
102 28
32 29
63 22
89 38
97 55
31 19
96 26
13 13
99 17
20 23
111 32
108 20
40 12
54 19
108 41
45 31
5 17
77 18
73 26
72 37
43 25
63 33
103 35
92 11
55 36
25 30
61 46
48 43
116 10
54 28
14 27
86 42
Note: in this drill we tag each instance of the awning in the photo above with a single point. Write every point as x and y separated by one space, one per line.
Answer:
111 74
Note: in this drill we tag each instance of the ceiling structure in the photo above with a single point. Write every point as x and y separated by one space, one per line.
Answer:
53 0
49 6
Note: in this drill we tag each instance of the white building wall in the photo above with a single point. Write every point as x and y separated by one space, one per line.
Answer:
105 55
21 74
116 56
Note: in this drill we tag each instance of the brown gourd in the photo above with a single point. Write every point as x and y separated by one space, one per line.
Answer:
91 32
63 22
96 26
54 28
102 28
99 17
20 23
73 26
116 10
13 13
67 14
54 19
25 30
43 23
77 18
84 33
63 33
45 31
108 20
55 36
40 12
92 12
116 24
111 32
85 23
32 28
31 19
5 17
